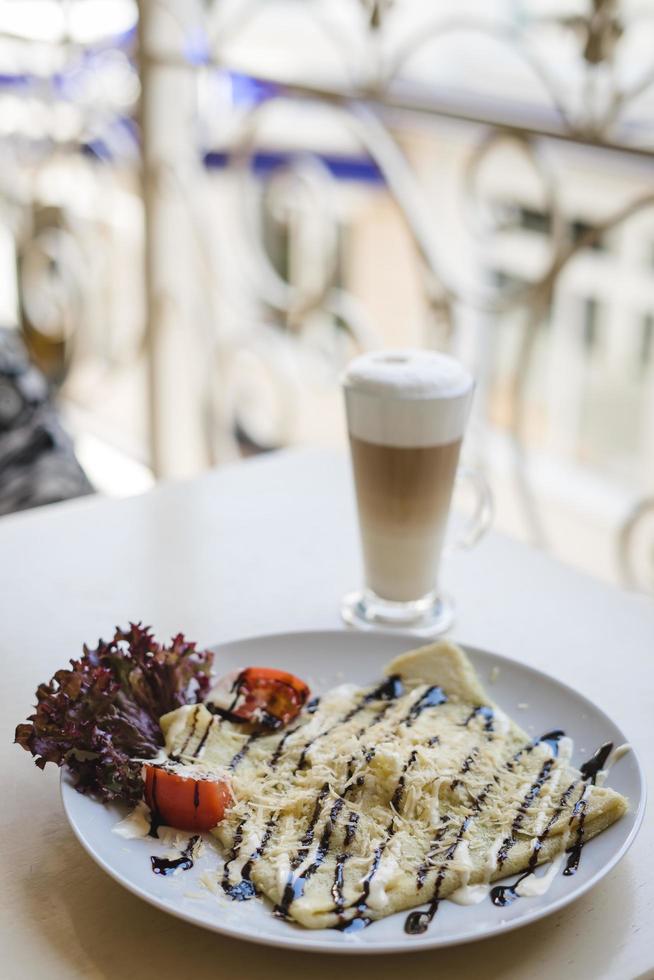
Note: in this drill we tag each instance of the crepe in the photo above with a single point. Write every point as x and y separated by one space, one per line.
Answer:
387 798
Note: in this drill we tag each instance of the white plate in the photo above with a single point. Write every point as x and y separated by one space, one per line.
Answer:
326 659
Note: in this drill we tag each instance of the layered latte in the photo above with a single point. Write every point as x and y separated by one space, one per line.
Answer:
406 413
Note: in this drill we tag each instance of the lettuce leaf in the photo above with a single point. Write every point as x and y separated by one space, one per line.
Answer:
103 714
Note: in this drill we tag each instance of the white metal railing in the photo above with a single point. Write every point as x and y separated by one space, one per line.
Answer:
504 180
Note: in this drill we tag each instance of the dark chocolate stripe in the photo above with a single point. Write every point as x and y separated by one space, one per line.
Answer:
337 887
295 887
465 767
155 816
418 921
168 866
279 749
574 853
234 853
360 920
426 866
201 743
189 738
281 910
389 690
528 799
503 895
245 889
244 749
589 770
552 739
432 698
486 713
396 798
385 692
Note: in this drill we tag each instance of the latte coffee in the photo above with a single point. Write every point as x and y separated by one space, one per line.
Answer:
406 413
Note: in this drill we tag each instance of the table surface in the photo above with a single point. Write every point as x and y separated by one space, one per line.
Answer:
267 546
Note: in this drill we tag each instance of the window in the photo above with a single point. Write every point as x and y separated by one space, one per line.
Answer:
532 220
579 228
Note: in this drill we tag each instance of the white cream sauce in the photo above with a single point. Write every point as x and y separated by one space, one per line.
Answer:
618 752
533 886
386 873
136 824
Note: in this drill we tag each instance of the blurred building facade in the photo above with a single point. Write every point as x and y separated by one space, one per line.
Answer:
321 178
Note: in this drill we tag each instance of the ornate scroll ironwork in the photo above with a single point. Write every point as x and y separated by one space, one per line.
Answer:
373 94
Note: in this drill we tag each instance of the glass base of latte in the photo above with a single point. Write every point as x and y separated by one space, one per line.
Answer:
430 615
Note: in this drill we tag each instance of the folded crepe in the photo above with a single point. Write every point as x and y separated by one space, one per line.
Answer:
391 797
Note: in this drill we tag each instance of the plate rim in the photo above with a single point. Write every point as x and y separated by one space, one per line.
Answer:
306 943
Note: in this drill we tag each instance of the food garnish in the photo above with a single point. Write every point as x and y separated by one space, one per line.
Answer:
183 801
376 800
262 696
101 716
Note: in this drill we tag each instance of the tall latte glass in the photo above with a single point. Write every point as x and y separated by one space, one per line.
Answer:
406 414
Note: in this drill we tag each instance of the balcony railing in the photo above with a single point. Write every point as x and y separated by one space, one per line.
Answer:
316 178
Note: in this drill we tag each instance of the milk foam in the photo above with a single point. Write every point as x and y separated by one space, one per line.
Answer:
407 398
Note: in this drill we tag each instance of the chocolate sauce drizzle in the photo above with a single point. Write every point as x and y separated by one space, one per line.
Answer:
486 713
528 799
202 742
360 919
389 690
574 852
396 798
426 865
337 887
155 817
503 895
243 890
467 762
277 754
177 756
552 739
168 866
418 921
590 770
245 748
228 714
294 887
432 697
289 893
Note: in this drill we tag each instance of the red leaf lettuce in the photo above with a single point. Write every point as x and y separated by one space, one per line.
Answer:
101 715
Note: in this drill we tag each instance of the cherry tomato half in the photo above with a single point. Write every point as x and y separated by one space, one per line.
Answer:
184 802
269 697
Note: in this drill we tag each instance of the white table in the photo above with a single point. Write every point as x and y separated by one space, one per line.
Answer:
267 546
